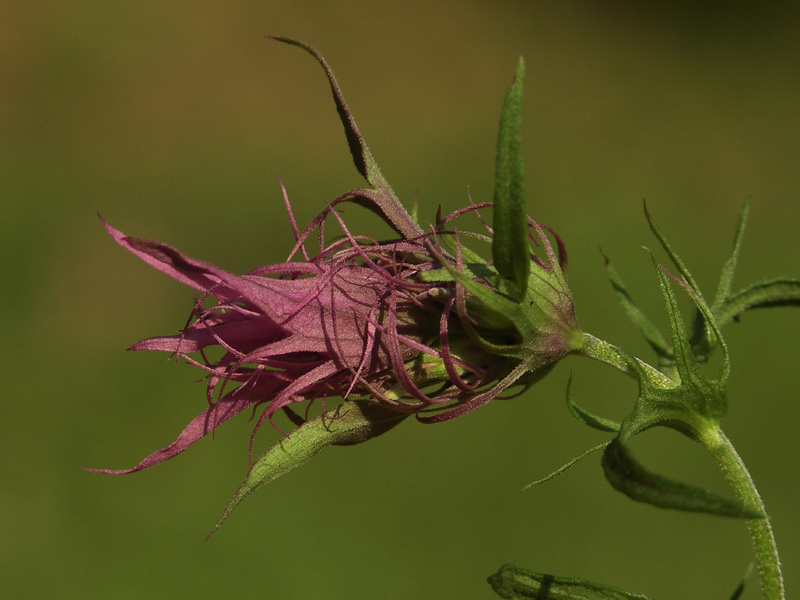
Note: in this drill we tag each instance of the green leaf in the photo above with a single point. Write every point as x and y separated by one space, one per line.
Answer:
587 418
703 340
776 292
352 422
512 582
451 243
650 332
493 301
676 260
699 393
729 269
566 466
628 476
740 588
687 368
472 270
483 293
510 249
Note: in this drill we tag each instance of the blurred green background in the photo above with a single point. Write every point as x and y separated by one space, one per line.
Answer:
170 119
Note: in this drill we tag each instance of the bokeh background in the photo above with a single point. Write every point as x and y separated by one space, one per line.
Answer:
171 118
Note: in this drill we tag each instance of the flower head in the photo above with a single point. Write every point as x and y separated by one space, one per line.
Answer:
419 324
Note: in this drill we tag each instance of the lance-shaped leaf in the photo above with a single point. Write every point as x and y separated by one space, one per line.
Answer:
568 465
351 422
729 268
764 294
676 260
646 327
587 418
727 306
386 200
513 582
703 341
628 476
740 588
697 393
693 407
510 249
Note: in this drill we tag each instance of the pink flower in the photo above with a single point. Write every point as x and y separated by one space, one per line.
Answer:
418 325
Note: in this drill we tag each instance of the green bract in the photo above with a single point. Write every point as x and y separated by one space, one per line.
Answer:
676 394
510 250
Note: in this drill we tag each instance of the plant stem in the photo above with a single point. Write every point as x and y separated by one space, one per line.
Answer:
611 355
715 441
769 564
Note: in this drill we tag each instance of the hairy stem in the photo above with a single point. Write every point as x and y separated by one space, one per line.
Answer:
769 564
611 355
715 441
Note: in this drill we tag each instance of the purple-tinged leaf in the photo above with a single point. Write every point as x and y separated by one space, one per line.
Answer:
362 157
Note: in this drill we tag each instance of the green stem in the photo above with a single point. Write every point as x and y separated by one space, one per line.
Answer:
715 441
769 564
601 350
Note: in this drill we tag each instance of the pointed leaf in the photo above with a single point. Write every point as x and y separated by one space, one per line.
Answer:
681 348
702 336
729 269
510 249
628 476
486 295
676 260
699 394
650 332
453 246
566 466
473 270
351 422
764 294
587 418
513 582
740 588
362 157
715 335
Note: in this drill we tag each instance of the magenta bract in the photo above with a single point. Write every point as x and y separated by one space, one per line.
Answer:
356 320
419 324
